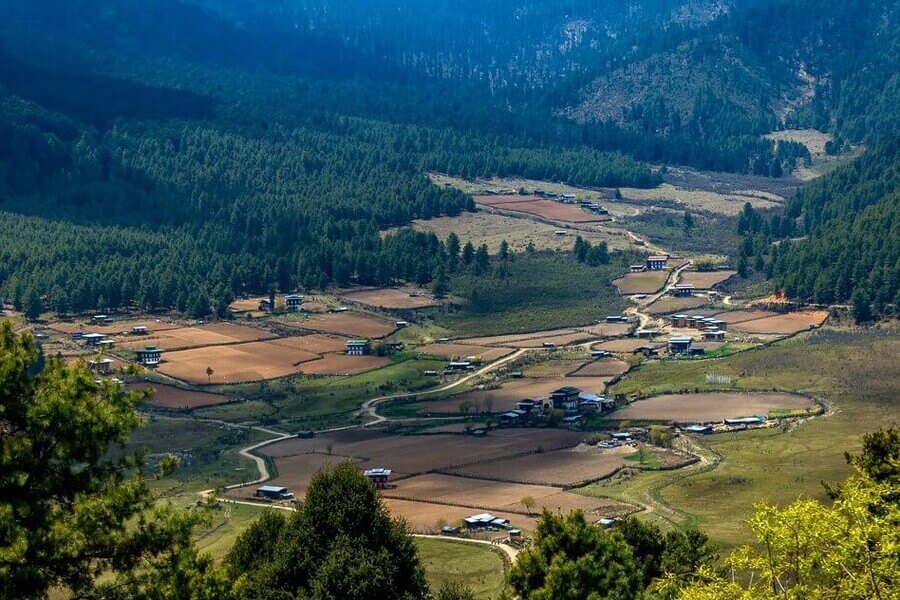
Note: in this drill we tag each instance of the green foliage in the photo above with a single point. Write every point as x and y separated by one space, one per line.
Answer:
339 543
810 550
573 559
69 511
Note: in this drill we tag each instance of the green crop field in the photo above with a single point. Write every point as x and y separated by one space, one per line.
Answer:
855 371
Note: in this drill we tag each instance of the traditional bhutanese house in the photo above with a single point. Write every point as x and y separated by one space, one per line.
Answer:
657 262
92 339
76 335
139 330
600 353
616 319
358 347
679 320
274 492
646 333
565 398
106 343
637 268
485 520
265 305
513 417
378 476
459 365
680 344
99 318
529 405
713 335
681 290
102 366
718 324
294 302
401 324
149 356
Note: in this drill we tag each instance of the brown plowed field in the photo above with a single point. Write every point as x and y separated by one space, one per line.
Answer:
460 351
341 364
713 406
214 334
169 396
298 470
316 343
505 398
706 280
497 496
562 467
349 324
117 328
390 298
624 345
783 323
565 339
237 363
739 316
552 368
605 367
539 207
501 340
415 454
668 304
608 329
648 282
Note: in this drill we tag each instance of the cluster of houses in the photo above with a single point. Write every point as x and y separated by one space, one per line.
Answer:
713 329
578 406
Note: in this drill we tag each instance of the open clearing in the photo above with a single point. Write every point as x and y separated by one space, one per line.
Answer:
498 496
648 282
706 280
214 334
701 200
609 329
739 316
552 368
505 397
539 207
480 568
670 304
813 140
605 367
787 323
347 323
712 406
484 227
341 364
855 370
462 351
390 298
170 396
237 363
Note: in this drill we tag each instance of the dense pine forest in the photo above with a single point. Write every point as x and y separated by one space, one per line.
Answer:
210 149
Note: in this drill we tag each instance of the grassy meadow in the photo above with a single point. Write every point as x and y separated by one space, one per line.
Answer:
855 371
